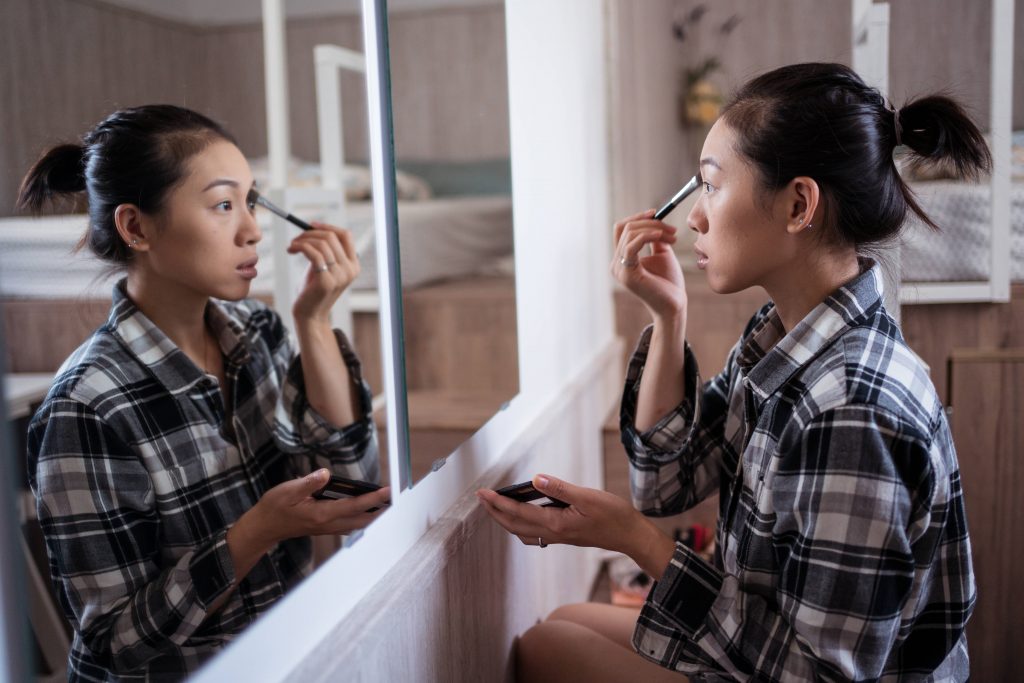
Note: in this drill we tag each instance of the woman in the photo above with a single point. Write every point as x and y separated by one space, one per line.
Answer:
842 547
175 457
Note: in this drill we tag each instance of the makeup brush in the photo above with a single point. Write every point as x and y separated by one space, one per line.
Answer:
277 210
685 192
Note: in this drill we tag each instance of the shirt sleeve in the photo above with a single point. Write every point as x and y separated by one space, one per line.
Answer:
678 461
350 451
853 519
98 512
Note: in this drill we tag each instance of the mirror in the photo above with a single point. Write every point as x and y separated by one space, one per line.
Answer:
72 63
449 105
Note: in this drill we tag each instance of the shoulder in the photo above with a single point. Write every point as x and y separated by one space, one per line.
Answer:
870 369
89 393
98 369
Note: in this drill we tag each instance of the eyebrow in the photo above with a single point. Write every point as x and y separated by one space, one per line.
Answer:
224 181
710 161
221 181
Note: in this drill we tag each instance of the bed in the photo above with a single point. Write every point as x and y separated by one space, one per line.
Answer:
961 251
454 219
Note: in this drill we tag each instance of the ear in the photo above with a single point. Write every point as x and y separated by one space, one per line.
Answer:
801 196
129 221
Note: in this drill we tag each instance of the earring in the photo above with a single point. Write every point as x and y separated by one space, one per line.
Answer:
135 243
810 225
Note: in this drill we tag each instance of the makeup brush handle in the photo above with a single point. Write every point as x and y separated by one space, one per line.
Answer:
298 221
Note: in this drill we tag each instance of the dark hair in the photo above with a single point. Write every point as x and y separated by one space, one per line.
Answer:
823 121
134 156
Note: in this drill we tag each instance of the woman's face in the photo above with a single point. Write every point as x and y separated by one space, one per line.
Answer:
741 240
205 237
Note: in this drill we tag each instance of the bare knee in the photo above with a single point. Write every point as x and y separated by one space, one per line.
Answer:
576 613
538 650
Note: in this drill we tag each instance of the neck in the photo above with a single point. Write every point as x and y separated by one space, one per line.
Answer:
798 290
179 314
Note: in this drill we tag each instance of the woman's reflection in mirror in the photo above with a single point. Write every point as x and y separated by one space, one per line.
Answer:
174 460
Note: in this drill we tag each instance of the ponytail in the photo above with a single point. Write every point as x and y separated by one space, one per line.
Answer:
941 137
59 171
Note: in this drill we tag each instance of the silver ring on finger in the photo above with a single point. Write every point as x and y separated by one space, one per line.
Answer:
541 543
322 269
628 263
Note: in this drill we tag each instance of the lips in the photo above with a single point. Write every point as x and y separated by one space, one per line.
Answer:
702 258
248 269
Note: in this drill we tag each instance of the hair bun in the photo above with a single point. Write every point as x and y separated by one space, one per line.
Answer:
61 170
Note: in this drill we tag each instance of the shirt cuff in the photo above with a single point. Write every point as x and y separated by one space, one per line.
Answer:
669 433
212 570
679 602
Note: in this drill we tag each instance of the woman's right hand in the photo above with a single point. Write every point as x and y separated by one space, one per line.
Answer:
289 510
656 278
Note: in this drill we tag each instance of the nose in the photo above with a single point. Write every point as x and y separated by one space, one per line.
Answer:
249 231
697 220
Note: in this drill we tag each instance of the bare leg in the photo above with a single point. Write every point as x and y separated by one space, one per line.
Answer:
574 644
611 621
562 651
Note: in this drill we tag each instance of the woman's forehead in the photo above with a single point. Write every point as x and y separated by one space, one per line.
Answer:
219 160
719 147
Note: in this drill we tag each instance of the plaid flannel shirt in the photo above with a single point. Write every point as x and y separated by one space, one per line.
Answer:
139 470
842 547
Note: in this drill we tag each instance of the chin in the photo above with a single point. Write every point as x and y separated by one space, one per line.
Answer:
720 284
233 292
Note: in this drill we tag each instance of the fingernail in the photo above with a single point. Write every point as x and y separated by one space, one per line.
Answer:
319 474
542 481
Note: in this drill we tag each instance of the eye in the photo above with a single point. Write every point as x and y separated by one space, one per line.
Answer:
223 206
708 187
250 202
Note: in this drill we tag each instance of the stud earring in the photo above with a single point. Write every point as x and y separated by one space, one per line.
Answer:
135 243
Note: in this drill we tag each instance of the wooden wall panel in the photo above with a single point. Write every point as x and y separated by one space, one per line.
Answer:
40 337
450 84
461 336
236 93
988 403
947 46
934 330
65 64
652 152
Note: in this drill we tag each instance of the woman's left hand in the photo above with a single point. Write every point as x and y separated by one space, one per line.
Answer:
334 264
594 518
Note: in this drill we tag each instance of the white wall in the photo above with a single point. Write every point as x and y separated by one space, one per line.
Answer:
434 590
